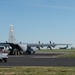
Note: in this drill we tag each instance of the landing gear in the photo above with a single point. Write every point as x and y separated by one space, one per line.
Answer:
5 60
14 52
31 52
0 60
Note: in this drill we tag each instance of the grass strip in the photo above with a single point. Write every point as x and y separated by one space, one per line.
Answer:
38 70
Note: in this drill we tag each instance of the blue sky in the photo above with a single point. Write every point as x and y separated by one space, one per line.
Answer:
35 20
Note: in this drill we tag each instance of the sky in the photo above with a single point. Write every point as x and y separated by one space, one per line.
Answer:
38 20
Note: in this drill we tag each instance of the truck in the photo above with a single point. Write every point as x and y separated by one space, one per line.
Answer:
3 57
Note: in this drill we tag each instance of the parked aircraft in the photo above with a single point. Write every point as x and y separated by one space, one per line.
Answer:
64 47
23 48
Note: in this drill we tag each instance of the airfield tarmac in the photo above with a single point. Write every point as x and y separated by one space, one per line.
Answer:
38 59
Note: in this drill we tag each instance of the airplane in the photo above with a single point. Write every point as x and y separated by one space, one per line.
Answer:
23 48
63 47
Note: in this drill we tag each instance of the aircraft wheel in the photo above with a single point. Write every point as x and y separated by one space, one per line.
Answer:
29 52
5 60
0 60
33 52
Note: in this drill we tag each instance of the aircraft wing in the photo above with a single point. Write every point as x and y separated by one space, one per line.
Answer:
33 45
45 45
4 44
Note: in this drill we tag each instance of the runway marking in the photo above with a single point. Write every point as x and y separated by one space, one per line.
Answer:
44 56
16 56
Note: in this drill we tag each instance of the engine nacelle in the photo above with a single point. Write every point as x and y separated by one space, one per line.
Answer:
49 47
34 48
53 46
23 47
31 50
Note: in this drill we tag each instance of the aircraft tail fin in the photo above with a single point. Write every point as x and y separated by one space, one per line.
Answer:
11 35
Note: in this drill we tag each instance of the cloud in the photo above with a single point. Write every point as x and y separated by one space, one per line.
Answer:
55 7
42 3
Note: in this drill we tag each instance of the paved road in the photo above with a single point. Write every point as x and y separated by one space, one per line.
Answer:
38 60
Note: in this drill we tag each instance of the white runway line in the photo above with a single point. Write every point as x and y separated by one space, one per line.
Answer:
44 57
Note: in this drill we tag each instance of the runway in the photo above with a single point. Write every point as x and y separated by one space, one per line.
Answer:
49 59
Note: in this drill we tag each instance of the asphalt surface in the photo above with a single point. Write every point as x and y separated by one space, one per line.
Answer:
44 59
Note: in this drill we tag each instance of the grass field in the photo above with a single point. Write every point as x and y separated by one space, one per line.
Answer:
68 53
38 71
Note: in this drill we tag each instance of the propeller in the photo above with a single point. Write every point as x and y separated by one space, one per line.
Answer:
38 47
53 45
39 42
6 42
50 42
20 42
49 47
67 46
42 46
